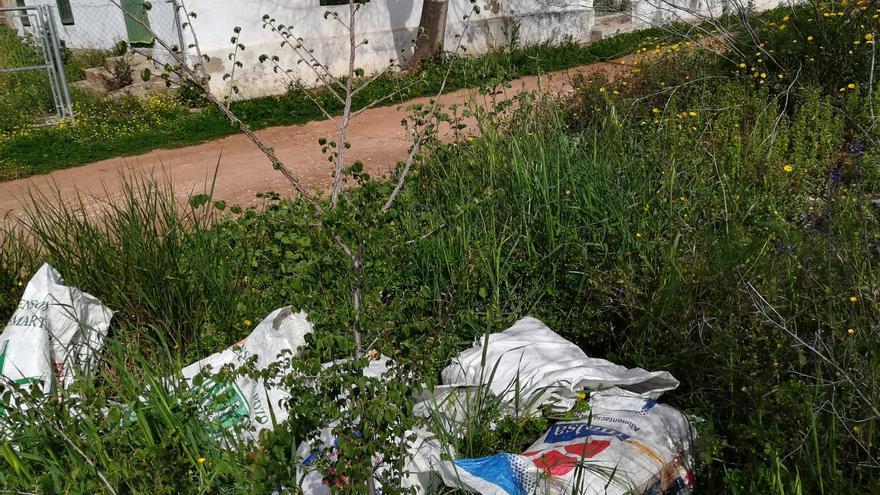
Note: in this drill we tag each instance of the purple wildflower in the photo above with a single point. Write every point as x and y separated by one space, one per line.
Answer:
856 147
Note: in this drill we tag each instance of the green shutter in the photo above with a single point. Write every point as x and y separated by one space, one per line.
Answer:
65 12
25 20
135 20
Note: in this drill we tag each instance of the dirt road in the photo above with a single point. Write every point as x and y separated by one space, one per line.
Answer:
377 137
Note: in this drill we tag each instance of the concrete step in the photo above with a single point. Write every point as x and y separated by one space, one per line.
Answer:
99 77
89 86
142 89
134 58
601 32
612 19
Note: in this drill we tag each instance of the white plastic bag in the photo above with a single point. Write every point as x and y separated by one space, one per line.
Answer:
54 334
247 402
528 365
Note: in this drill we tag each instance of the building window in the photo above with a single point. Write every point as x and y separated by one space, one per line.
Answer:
333 2
25 20
65 12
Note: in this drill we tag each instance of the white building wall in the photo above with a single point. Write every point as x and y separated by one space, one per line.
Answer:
100 24
389 25
657 12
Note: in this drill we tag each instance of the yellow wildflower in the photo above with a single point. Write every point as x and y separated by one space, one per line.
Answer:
247 323
202 460
788 168
655 110
853 298
851 86
851 331
809 38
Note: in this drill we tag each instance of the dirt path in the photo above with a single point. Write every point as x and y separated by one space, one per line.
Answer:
378 139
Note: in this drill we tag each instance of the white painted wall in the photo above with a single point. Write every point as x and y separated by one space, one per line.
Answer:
389 25
100 24
658 12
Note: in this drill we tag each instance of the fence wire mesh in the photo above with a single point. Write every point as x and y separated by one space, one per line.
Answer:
99 24
33 87
48 46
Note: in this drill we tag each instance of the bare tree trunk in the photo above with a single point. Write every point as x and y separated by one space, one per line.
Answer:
432 30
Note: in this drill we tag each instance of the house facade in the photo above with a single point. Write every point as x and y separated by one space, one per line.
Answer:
389 26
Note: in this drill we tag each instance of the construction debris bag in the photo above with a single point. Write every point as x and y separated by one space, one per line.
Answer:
625 444
246 404
529 366
54 334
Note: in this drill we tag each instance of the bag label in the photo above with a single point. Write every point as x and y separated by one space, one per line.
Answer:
572 431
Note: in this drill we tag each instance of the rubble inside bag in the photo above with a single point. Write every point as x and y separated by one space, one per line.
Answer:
246 403
54 334
625 442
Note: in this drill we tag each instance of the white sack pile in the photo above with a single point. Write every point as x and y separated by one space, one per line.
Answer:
625 443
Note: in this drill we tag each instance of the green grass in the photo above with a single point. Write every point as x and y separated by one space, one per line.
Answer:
710 231
104 132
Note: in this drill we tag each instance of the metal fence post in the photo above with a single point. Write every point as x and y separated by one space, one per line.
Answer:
179 28
66 101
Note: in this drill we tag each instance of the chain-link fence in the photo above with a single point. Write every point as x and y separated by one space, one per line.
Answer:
99 24
46 45
33 86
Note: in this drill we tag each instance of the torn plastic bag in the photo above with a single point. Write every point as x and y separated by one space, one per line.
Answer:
245 403
528 366
54 334
625 444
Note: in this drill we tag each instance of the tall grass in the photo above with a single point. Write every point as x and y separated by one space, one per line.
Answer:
727 232
161 262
